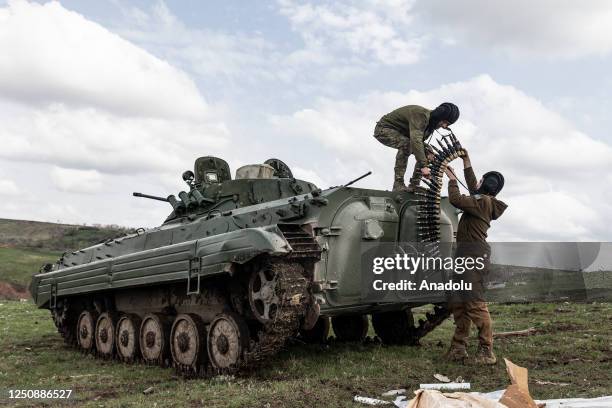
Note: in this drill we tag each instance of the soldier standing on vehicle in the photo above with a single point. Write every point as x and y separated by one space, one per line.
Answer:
479 209
406 129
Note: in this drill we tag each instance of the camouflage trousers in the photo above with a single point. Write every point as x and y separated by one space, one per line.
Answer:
465 314
401 142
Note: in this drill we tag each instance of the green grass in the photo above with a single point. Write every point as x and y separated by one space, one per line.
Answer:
18 265
573 346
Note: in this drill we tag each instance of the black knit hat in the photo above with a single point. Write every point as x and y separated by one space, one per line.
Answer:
447 111
492 183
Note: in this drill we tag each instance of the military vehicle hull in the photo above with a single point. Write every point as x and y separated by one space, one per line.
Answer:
220 286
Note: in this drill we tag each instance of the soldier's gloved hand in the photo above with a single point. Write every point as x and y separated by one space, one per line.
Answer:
425 172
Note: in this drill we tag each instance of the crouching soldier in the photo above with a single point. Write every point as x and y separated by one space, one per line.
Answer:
406 129
479 209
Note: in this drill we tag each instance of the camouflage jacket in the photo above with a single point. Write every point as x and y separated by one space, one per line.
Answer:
410 120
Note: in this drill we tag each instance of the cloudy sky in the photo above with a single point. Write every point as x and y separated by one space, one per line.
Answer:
100 99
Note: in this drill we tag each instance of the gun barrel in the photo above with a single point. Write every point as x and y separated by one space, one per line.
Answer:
357 179
150 197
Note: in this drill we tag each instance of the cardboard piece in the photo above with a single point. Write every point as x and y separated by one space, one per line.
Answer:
515 397
518 375
435 399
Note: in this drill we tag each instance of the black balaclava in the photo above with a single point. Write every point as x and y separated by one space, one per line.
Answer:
492 183
447 111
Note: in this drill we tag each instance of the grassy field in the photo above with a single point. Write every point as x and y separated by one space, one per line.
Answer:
573 346
26 245
18 265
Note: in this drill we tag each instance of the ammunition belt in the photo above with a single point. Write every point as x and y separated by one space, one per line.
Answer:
428 219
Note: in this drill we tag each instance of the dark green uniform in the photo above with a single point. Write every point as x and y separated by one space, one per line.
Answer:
478 211
404 130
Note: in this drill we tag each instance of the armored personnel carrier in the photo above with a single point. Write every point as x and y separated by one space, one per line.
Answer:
238 267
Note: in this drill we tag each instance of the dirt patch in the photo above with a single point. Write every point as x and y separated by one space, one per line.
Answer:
13 291
558 327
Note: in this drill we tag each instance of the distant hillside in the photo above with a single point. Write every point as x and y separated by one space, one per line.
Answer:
26 245
47 236
18 265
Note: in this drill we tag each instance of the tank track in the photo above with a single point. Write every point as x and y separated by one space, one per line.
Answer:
65 320
428 218
433 320
292 289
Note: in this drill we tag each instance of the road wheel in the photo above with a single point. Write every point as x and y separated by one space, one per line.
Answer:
127 335
187 340
351 327
228 339
263 293
394 327
319 333
85 330
154 338
105 334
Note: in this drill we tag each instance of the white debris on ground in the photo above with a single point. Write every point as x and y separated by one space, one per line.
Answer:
442 378
370 401
393 393
436 399
449 386
493 397
601 402
516 395
551 383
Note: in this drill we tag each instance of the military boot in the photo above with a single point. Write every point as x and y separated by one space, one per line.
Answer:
456 354
485 356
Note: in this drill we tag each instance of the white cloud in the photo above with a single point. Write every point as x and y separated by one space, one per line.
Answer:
8 188
87 138
310 175
77 96
93 113
51 54
238 58
77 181
556 215
555 174
203 51
377 30
80 103
544 28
